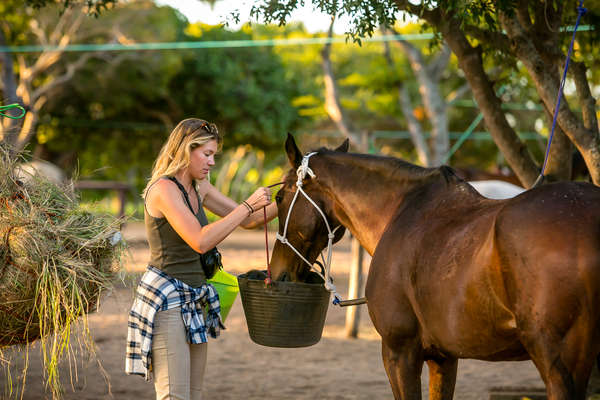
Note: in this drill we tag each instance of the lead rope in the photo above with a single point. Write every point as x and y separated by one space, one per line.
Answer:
580 11
268 278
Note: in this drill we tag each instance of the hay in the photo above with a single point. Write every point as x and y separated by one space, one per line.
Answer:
55 260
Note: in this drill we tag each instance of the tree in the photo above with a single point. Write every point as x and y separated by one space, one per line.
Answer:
428 76
94 7
526 33
116 104
129 107
31 79
244 90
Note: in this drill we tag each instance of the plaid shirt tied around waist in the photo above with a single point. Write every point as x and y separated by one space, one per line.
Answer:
158 291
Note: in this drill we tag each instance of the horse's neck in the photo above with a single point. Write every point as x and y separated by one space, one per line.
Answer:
366 200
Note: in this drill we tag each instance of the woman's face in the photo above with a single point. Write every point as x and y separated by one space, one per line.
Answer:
202 159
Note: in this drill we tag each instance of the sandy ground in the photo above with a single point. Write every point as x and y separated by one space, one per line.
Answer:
334 368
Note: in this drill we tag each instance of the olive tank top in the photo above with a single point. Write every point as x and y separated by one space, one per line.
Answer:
170 253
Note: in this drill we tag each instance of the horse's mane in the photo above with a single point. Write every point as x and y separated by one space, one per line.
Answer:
395 167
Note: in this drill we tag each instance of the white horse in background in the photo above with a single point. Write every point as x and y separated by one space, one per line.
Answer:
494 189
53 173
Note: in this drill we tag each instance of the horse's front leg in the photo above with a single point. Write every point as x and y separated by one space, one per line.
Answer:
403 364
442 378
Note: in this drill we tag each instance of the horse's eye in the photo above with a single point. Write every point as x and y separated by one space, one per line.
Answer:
278 197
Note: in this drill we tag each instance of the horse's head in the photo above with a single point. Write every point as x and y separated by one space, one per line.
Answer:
300 222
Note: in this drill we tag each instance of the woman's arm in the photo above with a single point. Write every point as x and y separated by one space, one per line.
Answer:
168 200
222 205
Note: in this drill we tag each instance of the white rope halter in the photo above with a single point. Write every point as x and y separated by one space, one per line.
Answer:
302 171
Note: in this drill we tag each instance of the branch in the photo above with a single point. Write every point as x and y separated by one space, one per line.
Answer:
43 62
28 128
545 28
9 89
433 101
414 127
58 28
458 93
59 80
332 103
547 82
470 61
72 25
586 100
547 18
61 36
547 85
496 40
9 81
560 158
420 11
522 13
34 25
439 64
24 87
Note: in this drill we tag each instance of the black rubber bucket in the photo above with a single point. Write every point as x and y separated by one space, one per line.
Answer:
284 314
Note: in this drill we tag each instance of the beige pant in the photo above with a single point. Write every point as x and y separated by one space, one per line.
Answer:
178 366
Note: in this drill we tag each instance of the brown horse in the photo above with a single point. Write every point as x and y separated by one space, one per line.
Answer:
453 274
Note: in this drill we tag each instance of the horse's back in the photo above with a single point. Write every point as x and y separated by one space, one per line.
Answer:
558 224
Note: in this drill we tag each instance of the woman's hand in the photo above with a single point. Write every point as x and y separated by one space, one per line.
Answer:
260 198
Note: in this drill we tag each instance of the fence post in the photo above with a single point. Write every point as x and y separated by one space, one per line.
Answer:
354 286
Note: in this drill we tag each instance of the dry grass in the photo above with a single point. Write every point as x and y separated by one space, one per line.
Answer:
55 261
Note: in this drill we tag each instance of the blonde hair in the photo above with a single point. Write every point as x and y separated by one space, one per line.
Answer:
175 153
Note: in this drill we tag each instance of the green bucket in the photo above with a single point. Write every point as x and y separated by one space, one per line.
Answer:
227 287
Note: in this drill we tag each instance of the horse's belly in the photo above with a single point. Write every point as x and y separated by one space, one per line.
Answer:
473 323
480 345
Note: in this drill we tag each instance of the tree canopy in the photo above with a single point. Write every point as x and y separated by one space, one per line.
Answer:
126 102
94 7
529 36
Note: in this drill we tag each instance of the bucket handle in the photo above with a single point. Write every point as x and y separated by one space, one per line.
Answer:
268 280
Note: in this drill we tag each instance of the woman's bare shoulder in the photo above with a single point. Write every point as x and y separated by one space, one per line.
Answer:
160 190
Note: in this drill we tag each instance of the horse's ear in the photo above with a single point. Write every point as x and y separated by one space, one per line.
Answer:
293 153
344 146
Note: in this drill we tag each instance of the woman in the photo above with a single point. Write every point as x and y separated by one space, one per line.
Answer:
167 328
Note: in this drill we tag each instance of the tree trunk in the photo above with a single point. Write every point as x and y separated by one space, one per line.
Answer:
434 102
332 101
469 60
9 127
560 159
414 127
586 139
